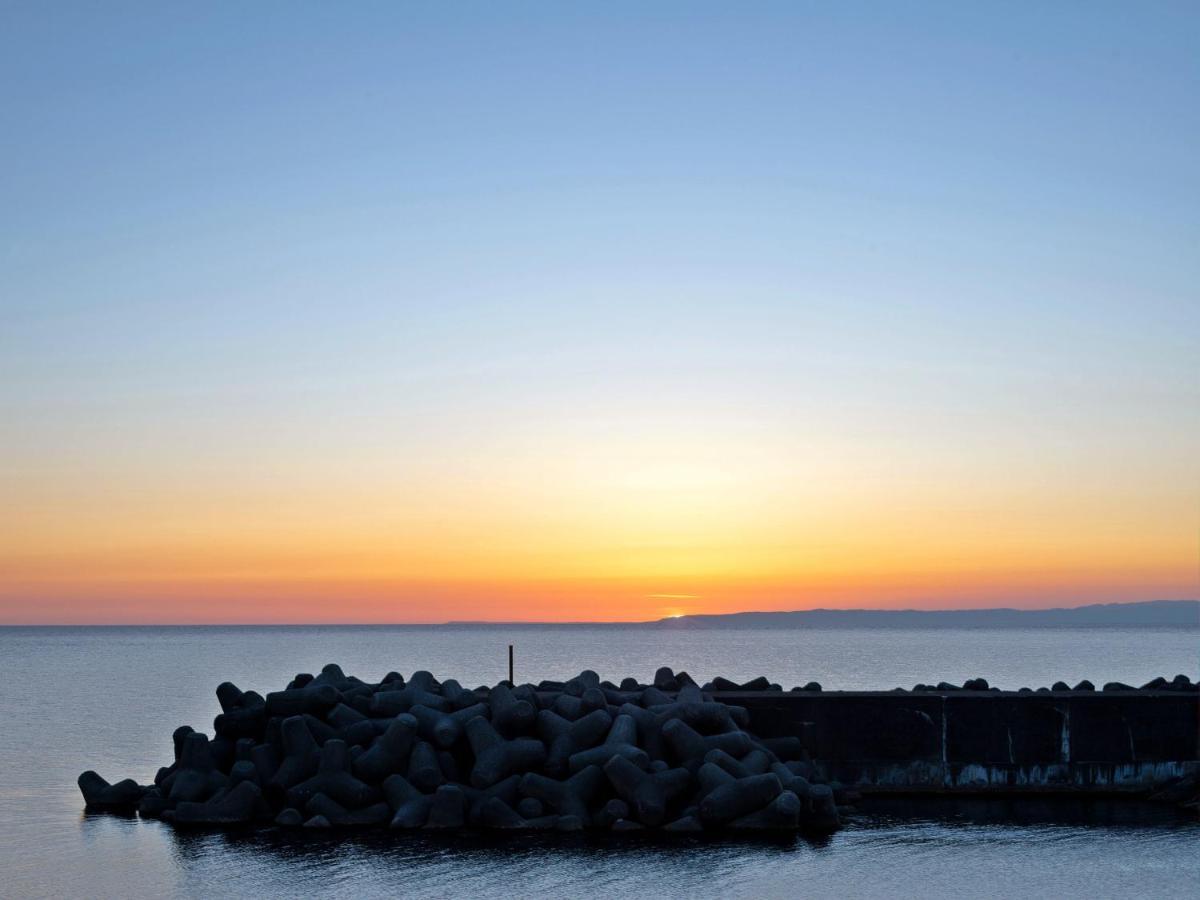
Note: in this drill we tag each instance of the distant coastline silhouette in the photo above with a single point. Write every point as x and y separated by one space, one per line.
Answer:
1148 614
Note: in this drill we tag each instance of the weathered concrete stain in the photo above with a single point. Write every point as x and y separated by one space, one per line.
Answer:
982 741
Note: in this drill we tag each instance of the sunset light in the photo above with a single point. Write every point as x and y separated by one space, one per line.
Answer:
683 449
458 388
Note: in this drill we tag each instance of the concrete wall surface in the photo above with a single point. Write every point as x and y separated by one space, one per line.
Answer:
981 741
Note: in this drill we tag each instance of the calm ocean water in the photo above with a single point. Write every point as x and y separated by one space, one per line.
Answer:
109 698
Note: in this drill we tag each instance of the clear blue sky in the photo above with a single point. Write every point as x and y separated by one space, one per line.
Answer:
318 239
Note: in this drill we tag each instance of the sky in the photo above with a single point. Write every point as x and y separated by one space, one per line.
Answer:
415 312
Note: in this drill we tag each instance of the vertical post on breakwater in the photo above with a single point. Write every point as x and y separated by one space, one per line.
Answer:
510 664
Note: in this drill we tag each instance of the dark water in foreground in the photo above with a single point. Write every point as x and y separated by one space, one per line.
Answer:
108 699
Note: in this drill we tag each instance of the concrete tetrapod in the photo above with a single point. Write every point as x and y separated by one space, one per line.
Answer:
738 798
235 806
332 751
333 779
497 758
568 798
99 794
390 752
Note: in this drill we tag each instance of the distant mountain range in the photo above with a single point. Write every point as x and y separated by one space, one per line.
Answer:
1158 613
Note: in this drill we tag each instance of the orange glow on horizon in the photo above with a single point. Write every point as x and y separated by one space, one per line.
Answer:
218 601
556 323
623 537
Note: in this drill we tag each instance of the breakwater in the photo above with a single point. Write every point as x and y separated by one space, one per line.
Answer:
981 740
333 751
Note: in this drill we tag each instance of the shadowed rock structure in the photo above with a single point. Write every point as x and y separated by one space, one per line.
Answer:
332 751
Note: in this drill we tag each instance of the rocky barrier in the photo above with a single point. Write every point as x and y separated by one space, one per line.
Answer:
333 751
1180 683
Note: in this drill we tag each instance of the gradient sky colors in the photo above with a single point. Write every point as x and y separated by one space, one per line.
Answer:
416 312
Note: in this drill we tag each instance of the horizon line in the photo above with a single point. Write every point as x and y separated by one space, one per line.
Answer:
460 623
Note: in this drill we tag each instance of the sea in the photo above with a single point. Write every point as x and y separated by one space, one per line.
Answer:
108 698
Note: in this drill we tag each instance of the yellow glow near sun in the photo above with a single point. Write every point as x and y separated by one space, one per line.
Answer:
673 612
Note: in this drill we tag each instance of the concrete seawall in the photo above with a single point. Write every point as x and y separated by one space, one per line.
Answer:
988 741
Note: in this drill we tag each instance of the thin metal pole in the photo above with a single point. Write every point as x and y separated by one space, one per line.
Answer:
510 664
